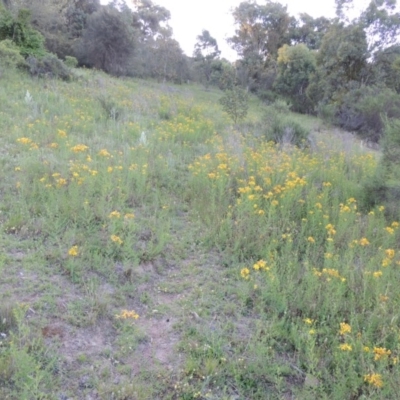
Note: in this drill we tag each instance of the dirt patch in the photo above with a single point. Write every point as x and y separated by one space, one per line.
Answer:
159 349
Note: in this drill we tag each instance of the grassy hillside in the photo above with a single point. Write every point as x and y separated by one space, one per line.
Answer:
149 250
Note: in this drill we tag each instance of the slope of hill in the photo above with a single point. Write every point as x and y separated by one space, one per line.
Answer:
150 250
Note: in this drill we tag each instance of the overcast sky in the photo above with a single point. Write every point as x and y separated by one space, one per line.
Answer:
190 17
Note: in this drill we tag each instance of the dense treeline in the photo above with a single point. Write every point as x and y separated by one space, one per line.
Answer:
344 70
114 38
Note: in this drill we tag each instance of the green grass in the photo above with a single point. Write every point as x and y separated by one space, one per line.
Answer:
152 250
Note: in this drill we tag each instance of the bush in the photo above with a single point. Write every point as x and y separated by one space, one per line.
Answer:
71 62
10 55
19 31
235 102
281 106
48 66
284 130
363 109
327 112
108 42
384 187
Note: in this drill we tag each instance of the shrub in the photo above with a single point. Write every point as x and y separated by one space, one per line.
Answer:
108 42
327 112
10 55
384 187
363 109
284 130
48 66
281 106
19 30
71 62
235 102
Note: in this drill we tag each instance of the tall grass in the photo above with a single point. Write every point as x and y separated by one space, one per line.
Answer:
312 274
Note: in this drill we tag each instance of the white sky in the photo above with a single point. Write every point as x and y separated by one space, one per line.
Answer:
190 17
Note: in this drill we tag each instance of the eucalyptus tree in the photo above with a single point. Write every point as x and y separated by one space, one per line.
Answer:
296 64
206 52
260 31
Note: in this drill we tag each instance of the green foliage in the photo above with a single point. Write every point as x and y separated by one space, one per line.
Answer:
48 66
235 102
342 59
363 110
205 53
108 42
384 187
71 62
308 30
283 129
387 67
19 30
295 66
26 364
10 55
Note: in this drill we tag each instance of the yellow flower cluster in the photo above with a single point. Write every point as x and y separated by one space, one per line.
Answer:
73 251
126 314
330 229
79 148
329 273
245 273
116 239
381 353
374 380
345 347
104 153
261 265
344 328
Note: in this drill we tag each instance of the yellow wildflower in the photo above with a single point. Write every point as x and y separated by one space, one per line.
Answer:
116 239
377 274
389 253
374 380
244 273
345 347
24 140
364 242
125 314
104 153
311 239
79 148
381 353
344 328
73 251
331 229
61 182
129 216
386 262
114 214
389 230
308 321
